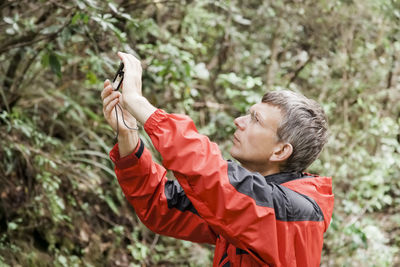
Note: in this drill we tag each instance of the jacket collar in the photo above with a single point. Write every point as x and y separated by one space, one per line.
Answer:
283 177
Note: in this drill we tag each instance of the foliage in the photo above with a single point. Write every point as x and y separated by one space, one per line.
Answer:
60 202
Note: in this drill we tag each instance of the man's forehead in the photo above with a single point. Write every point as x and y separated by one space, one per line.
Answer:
266 108
271 114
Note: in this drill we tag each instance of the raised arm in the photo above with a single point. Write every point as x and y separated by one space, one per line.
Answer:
161 204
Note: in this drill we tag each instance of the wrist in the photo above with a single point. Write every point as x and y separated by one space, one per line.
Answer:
139 107
127 142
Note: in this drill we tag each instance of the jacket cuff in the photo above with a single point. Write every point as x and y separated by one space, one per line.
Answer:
129 160
152 122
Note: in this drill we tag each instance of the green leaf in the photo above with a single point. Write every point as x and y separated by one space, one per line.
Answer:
75 18
12 226
45 60
111 204
55 65
8 20
91 77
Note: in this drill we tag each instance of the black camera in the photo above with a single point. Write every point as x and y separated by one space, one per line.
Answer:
119 77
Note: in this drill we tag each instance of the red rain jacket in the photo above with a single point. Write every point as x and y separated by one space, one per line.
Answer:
276 220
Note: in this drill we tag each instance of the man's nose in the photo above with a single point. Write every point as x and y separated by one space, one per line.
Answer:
240 122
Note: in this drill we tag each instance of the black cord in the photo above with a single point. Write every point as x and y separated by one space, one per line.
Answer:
123 120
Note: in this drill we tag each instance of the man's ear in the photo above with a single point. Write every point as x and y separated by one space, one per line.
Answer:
282 152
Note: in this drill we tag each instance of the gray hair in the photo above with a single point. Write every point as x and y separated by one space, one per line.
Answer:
304 126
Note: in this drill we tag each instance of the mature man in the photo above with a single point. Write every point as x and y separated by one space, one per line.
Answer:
264 212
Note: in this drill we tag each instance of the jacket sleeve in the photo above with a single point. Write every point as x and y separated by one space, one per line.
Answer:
238 204
161 204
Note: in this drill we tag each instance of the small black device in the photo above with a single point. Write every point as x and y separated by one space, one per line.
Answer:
119 77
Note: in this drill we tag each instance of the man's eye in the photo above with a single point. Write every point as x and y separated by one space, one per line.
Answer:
253 117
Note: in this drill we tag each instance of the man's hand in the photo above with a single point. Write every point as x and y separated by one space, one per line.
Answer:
132 99
110 100
132 83
127 139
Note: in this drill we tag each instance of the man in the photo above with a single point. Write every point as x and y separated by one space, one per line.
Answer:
264 212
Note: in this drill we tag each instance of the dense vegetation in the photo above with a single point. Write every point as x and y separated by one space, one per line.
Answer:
60 202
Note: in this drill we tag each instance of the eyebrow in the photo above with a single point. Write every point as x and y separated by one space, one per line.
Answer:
257 114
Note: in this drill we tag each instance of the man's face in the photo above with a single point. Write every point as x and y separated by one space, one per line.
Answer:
256 136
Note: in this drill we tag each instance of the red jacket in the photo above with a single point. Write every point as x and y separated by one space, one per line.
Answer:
277 220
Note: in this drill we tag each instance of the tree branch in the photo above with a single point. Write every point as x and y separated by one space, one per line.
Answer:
29 38
298 70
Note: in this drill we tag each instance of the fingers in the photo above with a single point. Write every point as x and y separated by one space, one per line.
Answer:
110 98
114 95
132 83
107 89
130 62
106 82
109 108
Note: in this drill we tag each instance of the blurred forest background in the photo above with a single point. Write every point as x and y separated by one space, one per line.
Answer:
60 203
